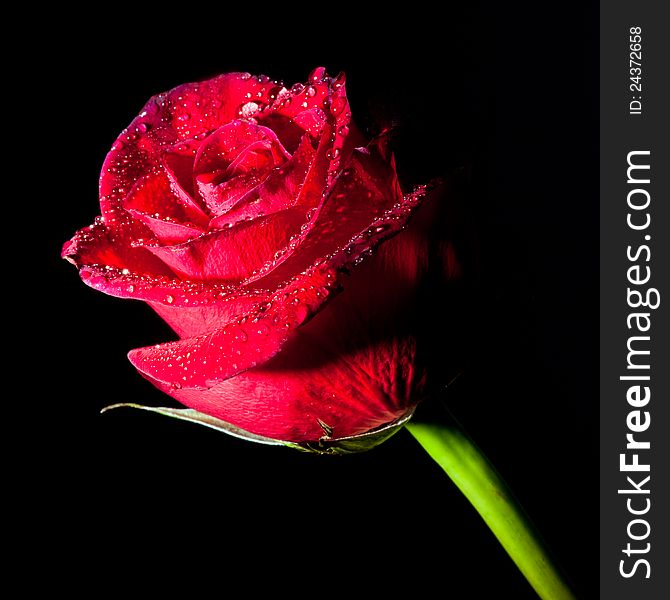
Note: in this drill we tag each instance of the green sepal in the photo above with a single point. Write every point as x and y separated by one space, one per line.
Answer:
326 445
356 443
194 416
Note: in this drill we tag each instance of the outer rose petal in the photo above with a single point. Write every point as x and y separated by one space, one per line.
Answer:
349 379
203 361
112 246
190 308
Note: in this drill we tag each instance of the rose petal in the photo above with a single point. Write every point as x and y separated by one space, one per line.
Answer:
323 93
289 132
177 161
203 361
366 189
112 246
280 190
190 321
222 197
190 308
168 232
234 160
232 254
184 113
227 145
153 195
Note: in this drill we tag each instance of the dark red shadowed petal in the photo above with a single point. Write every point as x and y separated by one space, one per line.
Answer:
233 254
203 361
290 130
353 367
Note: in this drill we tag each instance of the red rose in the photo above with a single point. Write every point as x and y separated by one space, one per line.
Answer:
236 207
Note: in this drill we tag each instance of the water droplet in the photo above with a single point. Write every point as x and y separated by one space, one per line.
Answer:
263 329
143 127
337 106
241 335
311 91
125 271
249 109
184 117
297 88
169 299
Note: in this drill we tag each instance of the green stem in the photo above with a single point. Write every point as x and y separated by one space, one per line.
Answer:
476 477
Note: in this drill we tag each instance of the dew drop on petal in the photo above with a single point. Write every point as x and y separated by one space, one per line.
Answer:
249 109
337 106
240 334
297 88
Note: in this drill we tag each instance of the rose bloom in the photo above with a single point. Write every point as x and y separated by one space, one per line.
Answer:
271 236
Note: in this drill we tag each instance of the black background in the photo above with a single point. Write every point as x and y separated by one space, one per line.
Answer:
504 98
